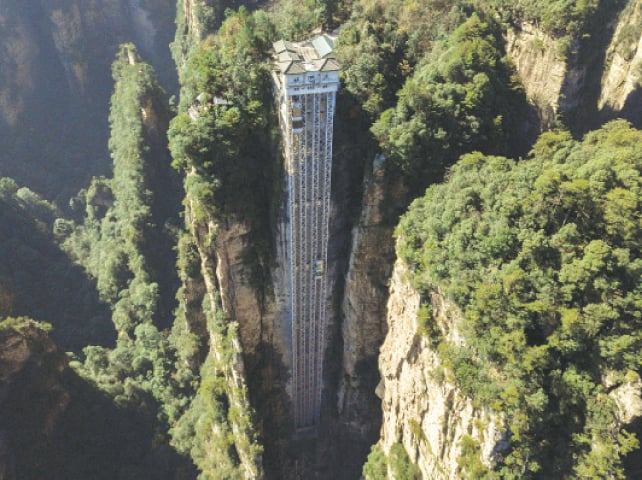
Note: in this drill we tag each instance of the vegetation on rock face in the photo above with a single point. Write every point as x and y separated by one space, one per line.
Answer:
222 140
461 98
435 82
123 242
383 41
56 424
558 17
395 465
55 84
217 429
227 149
196 20
37 279
543 257
627 38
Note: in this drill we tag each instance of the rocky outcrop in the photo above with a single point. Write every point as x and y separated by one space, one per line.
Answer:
24 343
220 250
85 37
189 30
240 297
541 66
423 409
195 20
622 78
32 395
586 80
628 398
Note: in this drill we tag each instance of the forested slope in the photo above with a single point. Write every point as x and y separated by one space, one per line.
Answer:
543 258
176 324
37 279
123 394
55 85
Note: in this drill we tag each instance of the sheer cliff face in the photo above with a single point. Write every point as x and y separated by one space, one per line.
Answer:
621 92
423 409
540 66
55 83
363 307
585 80
428 415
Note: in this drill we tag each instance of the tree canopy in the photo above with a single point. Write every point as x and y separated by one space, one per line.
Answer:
543 257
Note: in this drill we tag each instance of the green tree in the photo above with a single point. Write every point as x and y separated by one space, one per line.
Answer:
461 98
548 283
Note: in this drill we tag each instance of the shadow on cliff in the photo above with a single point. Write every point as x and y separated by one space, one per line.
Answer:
41 282
70 430
54 117
579 99
633 461
267 376
344 437
342 444
348 435
631 111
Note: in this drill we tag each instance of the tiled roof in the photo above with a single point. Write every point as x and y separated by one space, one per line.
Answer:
283 45
288 56
313 56
292 68
330 65
323 45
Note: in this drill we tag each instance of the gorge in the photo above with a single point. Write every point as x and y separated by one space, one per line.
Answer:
483 328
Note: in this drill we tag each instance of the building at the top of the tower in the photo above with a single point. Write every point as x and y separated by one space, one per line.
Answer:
306 67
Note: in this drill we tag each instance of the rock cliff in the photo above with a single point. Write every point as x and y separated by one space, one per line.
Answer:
447 434
55 59
364 302
228 299
540 66
423 409
424 412
31 366
582 80
621 82
553 71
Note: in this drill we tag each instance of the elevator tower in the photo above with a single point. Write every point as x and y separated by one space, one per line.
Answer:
306 79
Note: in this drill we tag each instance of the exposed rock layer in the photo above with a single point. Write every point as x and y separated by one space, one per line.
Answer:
622 77
219 249
577 78
423 409
540 66
364 302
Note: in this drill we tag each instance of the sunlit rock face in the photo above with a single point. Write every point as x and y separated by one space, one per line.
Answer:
541 68
621 85
423 410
